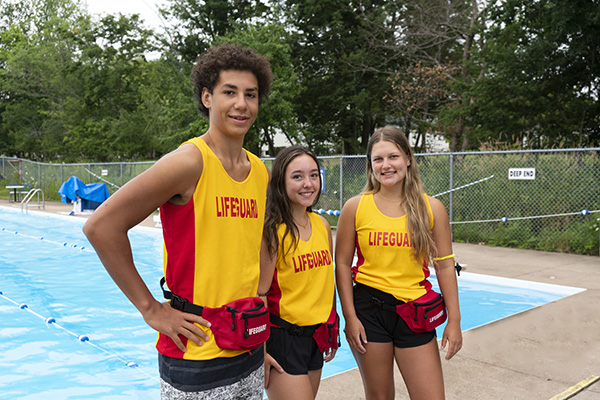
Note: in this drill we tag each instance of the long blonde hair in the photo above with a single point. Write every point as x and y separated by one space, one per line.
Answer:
417 214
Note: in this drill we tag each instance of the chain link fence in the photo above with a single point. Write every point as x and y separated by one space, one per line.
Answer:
555 208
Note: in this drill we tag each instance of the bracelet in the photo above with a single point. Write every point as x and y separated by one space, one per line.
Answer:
265 293
443 258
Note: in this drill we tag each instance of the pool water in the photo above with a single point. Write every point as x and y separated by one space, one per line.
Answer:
47 264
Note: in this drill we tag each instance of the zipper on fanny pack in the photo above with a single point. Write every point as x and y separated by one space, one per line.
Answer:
245 314
246 317
433 307
436 302
233 310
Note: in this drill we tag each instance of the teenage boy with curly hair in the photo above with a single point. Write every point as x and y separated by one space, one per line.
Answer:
211 194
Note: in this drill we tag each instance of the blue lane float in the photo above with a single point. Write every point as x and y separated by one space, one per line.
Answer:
328 212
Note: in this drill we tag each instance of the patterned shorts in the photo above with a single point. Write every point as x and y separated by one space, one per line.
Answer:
248 388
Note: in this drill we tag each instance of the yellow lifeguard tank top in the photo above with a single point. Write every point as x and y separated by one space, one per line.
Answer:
303 282
385 253
212 244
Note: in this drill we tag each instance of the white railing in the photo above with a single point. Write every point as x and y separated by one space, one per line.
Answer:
29 196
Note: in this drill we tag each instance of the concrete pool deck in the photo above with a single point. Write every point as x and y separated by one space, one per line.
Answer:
537 354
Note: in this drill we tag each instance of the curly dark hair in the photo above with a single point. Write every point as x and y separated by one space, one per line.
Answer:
229 56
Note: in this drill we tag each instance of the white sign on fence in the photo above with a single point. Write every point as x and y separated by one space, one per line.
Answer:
521 173
104 172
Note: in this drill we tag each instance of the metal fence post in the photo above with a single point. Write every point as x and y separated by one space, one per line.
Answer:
341 182
451 184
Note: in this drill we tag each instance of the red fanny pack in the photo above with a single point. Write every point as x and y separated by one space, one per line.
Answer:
242 324
425 313
327 335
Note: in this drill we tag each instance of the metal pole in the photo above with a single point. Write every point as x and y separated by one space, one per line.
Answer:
451 184
341 182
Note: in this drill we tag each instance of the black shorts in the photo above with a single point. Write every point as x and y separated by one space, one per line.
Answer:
296 354
384 326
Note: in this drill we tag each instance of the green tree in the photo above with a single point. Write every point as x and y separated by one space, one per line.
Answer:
340 71
196 25
436 38
108 121
35 54
73 88
540 87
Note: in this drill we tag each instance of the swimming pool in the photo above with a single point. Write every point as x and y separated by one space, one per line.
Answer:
47 264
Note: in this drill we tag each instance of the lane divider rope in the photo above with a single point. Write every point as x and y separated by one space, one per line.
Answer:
63 244
80 337
506 219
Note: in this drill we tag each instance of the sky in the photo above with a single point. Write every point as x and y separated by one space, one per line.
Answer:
148 9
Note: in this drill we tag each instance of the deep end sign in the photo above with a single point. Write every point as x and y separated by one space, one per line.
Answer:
521 173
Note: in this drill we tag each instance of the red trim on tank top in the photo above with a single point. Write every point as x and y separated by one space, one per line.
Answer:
180 241
274 298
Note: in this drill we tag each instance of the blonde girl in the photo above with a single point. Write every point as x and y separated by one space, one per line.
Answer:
396 231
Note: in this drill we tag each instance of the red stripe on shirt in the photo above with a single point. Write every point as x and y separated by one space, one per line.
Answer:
178 222
274 297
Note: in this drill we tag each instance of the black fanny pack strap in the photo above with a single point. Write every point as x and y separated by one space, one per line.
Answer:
376 300
179 303
293 329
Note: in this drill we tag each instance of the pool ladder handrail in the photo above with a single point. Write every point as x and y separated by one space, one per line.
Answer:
29 196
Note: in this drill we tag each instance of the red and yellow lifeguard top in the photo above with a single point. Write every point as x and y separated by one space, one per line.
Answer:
386 260
212 244
303 283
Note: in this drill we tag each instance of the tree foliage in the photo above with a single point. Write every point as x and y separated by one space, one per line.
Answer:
75 86
77 89
542 76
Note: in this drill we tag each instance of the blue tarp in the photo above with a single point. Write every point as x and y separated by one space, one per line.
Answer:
92 194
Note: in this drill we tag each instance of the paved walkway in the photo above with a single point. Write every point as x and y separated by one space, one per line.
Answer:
538 354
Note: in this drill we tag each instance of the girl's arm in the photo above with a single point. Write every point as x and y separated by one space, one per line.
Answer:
344 254
446 276
331 352
267 269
